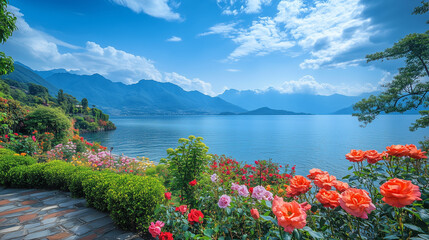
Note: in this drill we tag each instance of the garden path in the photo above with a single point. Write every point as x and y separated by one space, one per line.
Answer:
41 214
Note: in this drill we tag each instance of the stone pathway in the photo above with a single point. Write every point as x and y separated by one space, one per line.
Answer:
41 214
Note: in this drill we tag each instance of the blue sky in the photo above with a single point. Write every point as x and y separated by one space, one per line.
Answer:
294 46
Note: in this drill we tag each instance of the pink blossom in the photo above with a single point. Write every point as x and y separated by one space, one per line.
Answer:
224 201
155 228
242 191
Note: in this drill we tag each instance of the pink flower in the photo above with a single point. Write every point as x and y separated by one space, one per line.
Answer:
155 228
242 191
235 186
258 192
34 138
224 201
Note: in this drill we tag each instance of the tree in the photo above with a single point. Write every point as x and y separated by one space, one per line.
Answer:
409 88
7 26
84 104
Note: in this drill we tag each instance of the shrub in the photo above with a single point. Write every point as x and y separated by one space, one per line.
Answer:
26 176
132 201
95 188
57 174
8 161
76 181
185 164
53 120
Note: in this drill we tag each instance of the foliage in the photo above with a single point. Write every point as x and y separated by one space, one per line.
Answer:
7 26
53 120
9 160
132 200
95 189
185 164
13 115
408 90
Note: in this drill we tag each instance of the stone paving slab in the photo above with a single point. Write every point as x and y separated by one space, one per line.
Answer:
52 215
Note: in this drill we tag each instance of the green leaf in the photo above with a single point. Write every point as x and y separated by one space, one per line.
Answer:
413 227
392 236
208 232
268 203
350 168
270 219
316 235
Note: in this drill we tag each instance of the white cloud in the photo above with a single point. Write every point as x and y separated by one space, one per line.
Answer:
255 6
189 84
309 85
232 70
40 52
233 7
154 8
324 31
174 39
221 28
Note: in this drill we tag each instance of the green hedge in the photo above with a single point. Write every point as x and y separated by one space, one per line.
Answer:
130 199
8 160
95 188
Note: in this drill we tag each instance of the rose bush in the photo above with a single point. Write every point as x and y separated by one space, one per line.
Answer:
385 197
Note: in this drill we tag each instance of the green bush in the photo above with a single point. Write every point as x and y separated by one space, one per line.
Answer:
8 161
76 181
95 188
132 201
31 176
5 151
185 164
53 120
57 174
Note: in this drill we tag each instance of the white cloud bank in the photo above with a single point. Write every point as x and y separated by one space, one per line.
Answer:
309 85
324 31
154 8
40 51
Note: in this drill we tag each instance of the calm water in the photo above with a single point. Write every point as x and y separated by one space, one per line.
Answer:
319 141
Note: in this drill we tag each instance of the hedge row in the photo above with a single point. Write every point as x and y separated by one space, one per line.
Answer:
130 199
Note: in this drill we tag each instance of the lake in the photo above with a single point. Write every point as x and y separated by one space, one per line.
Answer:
309 141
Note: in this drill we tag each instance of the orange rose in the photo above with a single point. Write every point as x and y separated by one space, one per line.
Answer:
290 215
314 172
417 154
341 186
372 156
356 202
397 150
328 199
254 213
355 156
325 181
298 185
399 192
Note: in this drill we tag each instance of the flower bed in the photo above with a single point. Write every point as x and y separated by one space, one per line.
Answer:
385 197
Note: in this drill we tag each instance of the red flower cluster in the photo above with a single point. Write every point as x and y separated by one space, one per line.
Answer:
166 236
264 172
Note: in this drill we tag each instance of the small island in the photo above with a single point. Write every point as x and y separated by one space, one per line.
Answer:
265 111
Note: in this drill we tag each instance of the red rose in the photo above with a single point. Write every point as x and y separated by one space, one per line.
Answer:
167 195
166 236
195 216
251 189
193 182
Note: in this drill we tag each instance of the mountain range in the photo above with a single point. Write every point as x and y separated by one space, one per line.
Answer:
308 103
152 97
